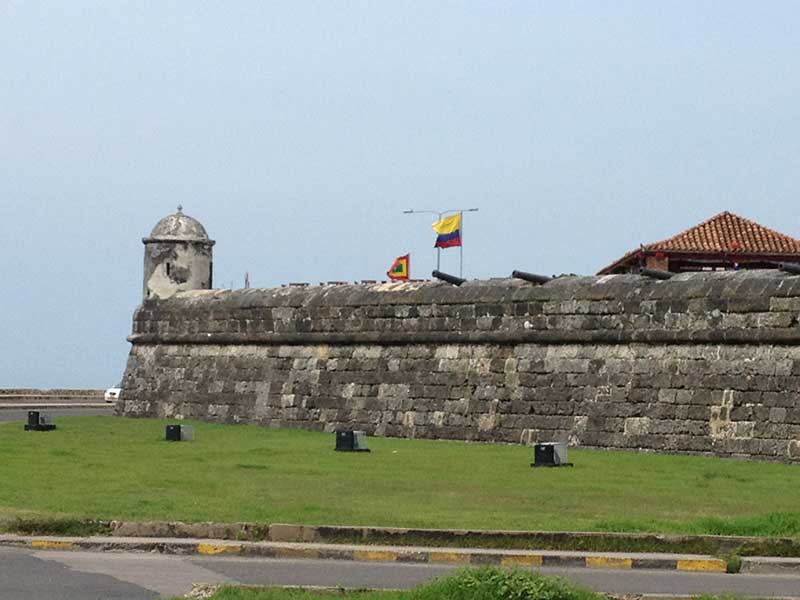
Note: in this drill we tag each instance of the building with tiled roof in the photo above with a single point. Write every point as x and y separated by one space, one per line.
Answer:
725 241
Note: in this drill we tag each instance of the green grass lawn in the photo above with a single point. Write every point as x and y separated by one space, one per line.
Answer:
114 468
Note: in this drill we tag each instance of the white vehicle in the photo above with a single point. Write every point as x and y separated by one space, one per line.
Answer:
112 394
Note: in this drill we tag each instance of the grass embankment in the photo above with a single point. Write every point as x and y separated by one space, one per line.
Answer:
468 584
111 468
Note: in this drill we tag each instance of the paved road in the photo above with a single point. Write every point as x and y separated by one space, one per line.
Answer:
49 575
24 399
18 414
24 576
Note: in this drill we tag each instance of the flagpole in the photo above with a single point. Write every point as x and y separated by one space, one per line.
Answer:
440 214
438 249
461 247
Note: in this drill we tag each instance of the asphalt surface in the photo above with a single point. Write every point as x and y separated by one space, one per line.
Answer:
27 574
55 400
19 414
24 576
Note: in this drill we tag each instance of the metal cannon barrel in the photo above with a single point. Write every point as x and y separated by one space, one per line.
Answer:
532 277
448 278
655 273
793 268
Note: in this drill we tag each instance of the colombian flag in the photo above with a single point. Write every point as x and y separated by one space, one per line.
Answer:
449 230
400 268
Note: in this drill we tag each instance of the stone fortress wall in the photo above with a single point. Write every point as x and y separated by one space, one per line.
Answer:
700 363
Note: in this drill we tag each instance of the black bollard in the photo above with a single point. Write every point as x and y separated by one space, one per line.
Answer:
348 440
38 422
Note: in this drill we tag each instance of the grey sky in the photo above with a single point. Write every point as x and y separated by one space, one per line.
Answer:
297 132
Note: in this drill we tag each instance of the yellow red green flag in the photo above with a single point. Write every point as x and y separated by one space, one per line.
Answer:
399 271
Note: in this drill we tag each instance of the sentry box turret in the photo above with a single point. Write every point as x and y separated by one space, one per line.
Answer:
348 440
550 454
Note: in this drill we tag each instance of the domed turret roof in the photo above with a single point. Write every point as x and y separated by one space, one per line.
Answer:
179 226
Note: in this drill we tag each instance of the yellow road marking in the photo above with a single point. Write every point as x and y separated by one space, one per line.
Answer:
607 562
375 555
52 545
698 564
213 549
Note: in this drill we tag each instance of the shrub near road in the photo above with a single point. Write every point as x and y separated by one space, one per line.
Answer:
113 468
468 584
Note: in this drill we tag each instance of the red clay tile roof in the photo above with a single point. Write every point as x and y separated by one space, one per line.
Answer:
728 232
723 233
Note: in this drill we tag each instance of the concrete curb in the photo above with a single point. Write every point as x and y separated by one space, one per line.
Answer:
384 554
279 532
752 549
464 538
770 565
